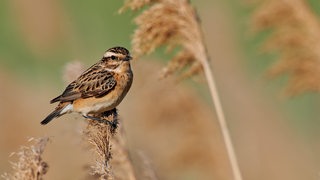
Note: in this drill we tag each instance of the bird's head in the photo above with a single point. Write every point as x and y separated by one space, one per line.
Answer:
115 57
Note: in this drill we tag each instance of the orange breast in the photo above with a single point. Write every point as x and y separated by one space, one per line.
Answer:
107 102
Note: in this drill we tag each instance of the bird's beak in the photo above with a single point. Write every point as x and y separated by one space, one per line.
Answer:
128 58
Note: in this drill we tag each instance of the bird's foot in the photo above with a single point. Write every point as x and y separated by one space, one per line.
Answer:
100 120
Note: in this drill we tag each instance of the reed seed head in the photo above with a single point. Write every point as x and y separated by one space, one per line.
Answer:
171 23
295 38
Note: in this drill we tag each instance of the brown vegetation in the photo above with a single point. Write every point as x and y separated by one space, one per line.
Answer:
30 165
175 23
296 39
112 159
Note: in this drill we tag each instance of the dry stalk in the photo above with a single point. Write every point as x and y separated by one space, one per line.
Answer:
98 134
30 165
296 38
175 23
112 158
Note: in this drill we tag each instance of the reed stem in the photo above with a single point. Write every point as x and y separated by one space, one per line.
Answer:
222 121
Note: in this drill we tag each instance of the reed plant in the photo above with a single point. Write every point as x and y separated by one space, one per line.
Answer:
294 38
175 23
30 164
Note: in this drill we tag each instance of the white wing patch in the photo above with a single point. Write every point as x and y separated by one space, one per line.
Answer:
67 109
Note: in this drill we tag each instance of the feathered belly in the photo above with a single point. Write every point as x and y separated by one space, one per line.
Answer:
99 105
95 105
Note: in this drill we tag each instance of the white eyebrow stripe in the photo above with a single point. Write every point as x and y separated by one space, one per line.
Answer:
109 54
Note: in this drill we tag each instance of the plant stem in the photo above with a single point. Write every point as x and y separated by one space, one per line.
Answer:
222 121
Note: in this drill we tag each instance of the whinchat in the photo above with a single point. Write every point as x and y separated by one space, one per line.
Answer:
99 89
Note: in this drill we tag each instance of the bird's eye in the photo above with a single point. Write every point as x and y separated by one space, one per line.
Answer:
113 57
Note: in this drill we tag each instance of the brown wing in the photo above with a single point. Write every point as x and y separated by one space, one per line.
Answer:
92 83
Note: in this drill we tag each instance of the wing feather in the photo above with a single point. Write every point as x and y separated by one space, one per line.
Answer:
95 82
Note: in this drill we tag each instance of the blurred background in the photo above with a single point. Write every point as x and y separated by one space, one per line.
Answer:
172 124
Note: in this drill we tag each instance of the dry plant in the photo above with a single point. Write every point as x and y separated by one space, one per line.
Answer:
295 37
112 156
98 134
30 165
110 147
175 23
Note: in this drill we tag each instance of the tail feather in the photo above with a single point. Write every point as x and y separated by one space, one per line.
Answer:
51 116
55 99
62 109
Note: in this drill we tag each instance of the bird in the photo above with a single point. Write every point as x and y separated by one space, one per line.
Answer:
99 89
